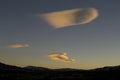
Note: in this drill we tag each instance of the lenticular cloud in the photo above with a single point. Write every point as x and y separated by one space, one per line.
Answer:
60 57
18 45
61 19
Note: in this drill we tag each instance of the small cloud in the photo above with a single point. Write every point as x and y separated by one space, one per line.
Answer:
61 19
18 45
60 57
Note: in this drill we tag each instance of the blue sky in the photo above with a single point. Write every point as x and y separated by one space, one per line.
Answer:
92 45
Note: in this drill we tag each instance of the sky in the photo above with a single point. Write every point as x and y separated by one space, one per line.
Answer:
81 34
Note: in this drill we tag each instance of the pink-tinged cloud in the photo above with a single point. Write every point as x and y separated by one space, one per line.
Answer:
18 45
60 57
66 18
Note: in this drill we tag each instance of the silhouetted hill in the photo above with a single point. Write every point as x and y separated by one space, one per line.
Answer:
10 67
9 72
69 69
108 68
35 68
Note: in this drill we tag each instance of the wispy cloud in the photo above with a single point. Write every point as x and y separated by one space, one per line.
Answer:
60 57
18 45
60 19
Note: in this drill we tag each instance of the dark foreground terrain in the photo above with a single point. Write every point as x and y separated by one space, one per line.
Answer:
8 72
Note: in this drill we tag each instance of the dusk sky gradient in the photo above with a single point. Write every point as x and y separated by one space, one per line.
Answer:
27 39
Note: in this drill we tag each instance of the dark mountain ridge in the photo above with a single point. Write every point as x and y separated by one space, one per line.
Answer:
108 68
8 67
11 67
9 72
35 68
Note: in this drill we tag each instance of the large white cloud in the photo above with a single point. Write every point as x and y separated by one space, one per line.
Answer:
60 19
60 57
18 45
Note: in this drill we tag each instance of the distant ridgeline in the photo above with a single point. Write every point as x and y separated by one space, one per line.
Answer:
11 67
8 72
